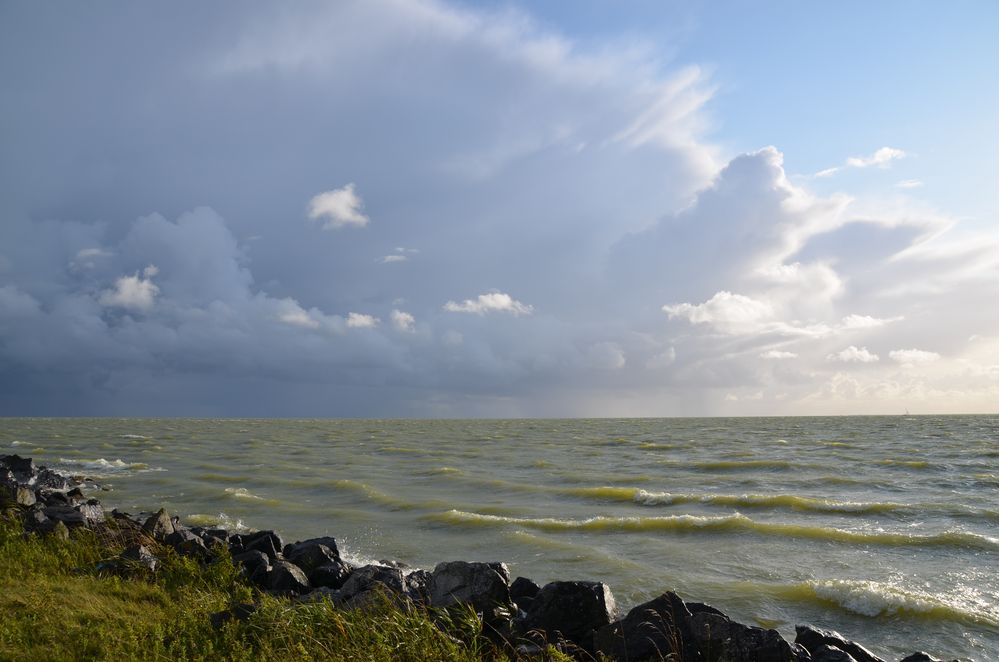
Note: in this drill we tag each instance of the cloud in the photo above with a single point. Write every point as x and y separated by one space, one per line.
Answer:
912 357
388 259
340 207
776 354
881 158
909 183
605 356
132 292
853 354
493 302
361 321
402 321
851 322
731 312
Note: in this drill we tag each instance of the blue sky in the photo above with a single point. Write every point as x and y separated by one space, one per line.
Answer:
429 208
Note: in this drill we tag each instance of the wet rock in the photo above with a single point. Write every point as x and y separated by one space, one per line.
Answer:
141 556
267 542
920 656
330 575
50 480
76 496
812 638
260 575
484 586
287 578
826 653
159 526
309 556
572 611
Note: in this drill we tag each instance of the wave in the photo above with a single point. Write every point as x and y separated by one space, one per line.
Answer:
101 466
906 464
245 494
221 520
879 599
742 465
723 524
133 436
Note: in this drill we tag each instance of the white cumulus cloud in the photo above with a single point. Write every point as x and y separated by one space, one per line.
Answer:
724 310
402 321
492 302
361 321
854 354
134 292
339 207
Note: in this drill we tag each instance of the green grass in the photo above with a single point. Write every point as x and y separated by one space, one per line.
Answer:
55 604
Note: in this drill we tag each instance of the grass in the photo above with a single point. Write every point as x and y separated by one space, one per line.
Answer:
57 603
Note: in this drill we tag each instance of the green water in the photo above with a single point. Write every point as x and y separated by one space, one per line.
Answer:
885 528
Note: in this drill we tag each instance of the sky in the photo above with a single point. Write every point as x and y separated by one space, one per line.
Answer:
422 208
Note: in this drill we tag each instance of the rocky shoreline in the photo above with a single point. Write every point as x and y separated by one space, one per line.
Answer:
579 617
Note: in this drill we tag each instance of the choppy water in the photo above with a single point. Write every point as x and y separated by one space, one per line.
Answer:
885 528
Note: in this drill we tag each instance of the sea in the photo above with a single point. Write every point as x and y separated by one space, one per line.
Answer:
885 528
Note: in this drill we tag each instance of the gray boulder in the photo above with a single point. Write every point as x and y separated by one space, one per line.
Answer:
287 578
723 640
159 526
571 611
483 586
812 638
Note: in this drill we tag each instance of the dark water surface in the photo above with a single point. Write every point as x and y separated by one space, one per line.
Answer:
885 528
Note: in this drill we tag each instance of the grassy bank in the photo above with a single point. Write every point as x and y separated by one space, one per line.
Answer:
61 599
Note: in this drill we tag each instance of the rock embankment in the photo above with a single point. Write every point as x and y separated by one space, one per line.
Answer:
580 617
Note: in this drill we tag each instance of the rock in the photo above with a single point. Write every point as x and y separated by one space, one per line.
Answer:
728 641
650 631
368 576
159 526
92 512
417 586
22 467
251 560
187 543
920 656
812 638
309 556
330 575
484 586
267 542
572 611
25 496
68 515
260 575
522 587
326 541
826 653
140 555
50 480
287 578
